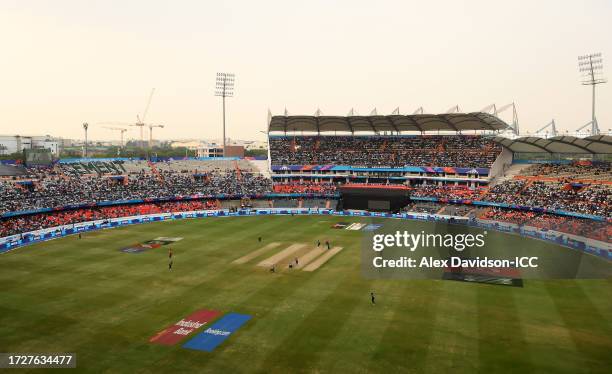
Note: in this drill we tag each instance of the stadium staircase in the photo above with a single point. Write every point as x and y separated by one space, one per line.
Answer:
442 146
262 167
471 213
238 171
20 187
511 172
155 171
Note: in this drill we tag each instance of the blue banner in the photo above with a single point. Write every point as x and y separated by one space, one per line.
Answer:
216 334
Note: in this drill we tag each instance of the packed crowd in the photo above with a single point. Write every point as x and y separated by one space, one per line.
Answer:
56 189
305 187
585 170
446 192
33 222
576 226
593 199
69 186
423 207
442 151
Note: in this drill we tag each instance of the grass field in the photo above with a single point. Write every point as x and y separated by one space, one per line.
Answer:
88 297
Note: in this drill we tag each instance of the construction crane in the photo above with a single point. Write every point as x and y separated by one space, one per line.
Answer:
121 129
140 122
151 126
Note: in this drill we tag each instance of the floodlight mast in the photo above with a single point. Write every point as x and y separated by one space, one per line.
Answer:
85 127
224 88
591 66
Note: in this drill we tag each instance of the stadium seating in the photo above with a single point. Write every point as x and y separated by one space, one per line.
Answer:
582 227
305 187
69 185
569 193
385 151
33 222
594 171
575 188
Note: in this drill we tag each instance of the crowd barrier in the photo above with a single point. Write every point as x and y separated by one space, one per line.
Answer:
590 246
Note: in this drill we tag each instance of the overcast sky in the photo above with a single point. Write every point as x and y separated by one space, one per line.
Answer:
65 62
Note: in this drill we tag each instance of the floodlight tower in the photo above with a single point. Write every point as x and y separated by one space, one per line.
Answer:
591 67
85 127
224 88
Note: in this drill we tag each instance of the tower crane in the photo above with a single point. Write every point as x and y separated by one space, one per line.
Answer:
140 123
151 126
121 129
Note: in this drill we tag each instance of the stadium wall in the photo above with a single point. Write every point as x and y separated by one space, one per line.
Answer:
590 246
501 163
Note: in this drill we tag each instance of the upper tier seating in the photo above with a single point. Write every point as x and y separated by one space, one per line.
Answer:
385 151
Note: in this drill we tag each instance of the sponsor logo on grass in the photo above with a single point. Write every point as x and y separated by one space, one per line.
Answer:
468 270
150 244
177 332
216 334
340 225
372 227
356 226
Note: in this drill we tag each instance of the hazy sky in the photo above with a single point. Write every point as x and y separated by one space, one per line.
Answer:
65 62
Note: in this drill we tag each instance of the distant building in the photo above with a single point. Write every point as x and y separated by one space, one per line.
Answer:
214 150
210 150
191 145
66 143
234 151
16 143
255 144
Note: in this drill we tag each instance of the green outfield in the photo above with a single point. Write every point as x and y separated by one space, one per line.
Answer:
87 296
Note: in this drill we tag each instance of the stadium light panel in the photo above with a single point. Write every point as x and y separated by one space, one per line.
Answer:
224 87
591 68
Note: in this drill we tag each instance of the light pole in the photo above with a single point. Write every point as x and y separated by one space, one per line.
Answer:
224 88
85 127
591 67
